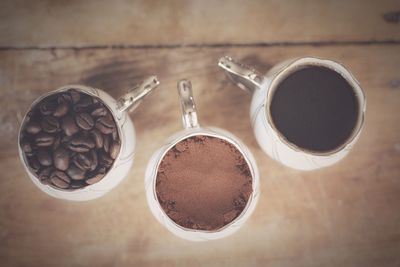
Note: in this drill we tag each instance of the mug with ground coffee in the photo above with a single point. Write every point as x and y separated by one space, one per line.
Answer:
203 184
77 142
306 113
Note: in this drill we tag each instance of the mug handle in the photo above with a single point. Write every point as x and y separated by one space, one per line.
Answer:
242 75
188 106
135 96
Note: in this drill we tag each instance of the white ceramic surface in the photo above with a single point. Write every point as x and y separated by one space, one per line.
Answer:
268 137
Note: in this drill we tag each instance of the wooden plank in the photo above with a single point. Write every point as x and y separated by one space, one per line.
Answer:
344 215
178 22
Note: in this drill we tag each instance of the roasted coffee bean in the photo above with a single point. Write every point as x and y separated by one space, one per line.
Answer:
75 173
106 160
61 109
59 183
82 161
96 176
25 146
75 96
57 142
44 157
69 126
114 135
64 98
33 127
45 181
47 107
97 138
44 139
61 158
83 103
34 163
81 144
105 125
99 112
84 121
50 124
76 184
29 154
114 149
93 157
60 179
102 170
45 174
106 143
94 179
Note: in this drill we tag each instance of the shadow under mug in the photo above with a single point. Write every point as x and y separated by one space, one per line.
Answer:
126 131
268 137
192 128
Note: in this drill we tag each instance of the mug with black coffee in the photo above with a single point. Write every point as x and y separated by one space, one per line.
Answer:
77 142
203 184
306 113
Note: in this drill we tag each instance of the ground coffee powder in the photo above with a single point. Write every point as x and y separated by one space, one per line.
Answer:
203 183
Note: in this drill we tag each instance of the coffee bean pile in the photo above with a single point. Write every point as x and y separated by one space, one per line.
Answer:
70 140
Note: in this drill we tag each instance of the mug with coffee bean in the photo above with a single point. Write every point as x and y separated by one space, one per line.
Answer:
306 113
203 184
77 142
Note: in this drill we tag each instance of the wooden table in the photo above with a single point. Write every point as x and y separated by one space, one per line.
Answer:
344 215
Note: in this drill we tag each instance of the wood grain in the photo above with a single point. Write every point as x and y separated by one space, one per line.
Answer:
182 23
344 215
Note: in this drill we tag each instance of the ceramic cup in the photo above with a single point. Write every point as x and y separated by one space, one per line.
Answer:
192 128
126 131
270 140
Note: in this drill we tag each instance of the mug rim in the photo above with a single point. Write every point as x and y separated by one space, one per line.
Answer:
303 62
212 132
86 90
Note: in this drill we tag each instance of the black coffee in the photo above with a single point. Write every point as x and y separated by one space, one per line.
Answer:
69 140
315 108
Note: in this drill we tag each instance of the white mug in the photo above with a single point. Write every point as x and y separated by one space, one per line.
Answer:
270 140
192 128
123 161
